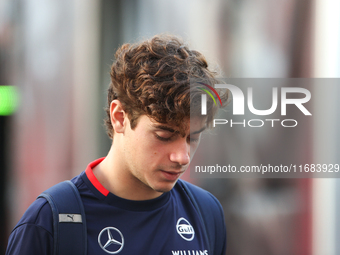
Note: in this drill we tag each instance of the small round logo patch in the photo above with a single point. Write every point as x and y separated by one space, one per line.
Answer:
184 229
111 240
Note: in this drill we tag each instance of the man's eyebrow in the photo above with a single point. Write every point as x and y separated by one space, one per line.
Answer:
166 128
198 131
169 129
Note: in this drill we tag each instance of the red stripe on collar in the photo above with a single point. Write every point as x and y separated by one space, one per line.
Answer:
93 179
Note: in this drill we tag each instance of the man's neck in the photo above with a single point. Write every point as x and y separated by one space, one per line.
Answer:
116 178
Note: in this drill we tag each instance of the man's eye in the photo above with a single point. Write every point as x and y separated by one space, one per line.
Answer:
164 139
194 139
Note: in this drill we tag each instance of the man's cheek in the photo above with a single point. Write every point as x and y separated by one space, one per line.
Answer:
193 149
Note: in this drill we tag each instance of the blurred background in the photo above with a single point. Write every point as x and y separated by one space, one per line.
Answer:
57 55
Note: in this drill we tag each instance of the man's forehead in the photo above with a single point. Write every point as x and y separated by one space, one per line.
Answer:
186 126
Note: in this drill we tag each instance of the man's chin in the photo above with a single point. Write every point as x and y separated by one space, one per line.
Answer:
165 187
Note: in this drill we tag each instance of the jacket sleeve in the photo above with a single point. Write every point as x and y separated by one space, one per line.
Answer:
33 233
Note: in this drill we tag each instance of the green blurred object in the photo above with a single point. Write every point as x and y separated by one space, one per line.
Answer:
8 100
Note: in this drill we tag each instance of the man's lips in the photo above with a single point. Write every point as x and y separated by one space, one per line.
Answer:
171 175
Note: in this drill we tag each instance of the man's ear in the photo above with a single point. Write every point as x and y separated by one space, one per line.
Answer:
117 116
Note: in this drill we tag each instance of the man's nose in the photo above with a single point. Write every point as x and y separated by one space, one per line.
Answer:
181 153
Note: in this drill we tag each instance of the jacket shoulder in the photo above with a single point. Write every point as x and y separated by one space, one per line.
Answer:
38 213
202 196
33 233
212 214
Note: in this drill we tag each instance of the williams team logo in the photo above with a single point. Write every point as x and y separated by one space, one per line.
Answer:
184 229
111 240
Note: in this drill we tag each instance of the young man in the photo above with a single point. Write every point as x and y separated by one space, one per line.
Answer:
133 200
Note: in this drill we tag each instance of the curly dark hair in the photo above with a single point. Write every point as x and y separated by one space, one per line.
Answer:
153 78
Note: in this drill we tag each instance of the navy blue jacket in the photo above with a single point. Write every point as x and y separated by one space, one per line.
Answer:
169 224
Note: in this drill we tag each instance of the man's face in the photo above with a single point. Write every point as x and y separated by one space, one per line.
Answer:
156 155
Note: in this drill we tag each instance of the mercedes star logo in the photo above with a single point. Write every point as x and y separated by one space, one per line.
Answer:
111 240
